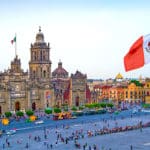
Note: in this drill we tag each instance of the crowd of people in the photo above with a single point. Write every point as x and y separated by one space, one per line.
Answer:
74 134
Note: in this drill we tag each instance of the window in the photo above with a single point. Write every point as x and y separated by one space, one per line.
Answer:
44 74
34 74
40 55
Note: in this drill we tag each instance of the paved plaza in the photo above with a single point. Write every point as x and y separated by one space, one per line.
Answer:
63 137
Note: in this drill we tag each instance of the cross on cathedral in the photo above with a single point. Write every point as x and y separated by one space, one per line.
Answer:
39 28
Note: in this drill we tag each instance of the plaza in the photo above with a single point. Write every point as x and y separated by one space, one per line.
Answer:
62 135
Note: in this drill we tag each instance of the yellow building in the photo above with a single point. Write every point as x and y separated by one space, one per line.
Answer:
134 92
147 91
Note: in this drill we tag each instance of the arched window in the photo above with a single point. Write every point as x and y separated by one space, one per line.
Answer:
44 74
41 56
34 56
44 58
41 71
34 74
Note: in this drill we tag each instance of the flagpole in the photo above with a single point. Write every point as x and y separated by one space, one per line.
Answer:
16 45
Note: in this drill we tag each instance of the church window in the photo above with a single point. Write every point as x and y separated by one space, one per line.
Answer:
34 56
44 74
40 55
41 72
44 55
34 74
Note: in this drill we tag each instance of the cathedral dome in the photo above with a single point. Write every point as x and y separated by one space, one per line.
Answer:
60 72
39 36
119 76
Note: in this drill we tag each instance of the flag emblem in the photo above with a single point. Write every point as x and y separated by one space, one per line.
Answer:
148 47
139 54
13 40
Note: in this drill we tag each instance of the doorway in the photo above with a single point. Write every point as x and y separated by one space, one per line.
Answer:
17 106
33 106
77 101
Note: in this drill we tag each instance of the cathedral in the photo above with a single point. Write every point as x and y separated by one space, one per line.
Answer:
40 87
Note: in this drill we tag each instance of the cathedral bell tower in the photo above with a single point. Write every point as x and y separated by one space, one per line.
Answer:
40 63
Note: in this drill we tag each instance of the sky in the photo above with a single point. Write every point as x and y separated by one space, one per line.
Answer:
91 36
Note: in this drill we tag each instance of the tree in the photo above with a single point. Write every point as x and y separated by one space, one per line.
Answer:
110 105
103 105
81 107
74 108
8 114
48 111
57 110
19 113
136 82
90 106
29 112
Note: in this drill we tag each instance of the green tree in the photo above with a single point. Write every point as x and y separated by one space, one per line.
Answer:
81 107
103 105
110 105
136 82
29 112
48 111
57 110
8 114
74 108
19 113
146 105
90 106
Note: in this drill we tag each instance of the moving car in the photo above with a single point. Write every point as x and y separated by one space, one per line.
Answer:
10 132
39 122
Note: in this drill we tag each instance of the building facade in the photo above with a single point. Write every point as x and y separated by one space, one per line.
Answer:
40 88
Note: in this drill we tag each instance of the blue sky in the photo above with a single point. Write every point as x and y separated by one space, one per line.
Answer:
91 36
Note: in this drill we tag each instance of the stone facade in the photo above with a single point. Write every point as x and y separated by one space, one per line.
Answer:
39 88
78 88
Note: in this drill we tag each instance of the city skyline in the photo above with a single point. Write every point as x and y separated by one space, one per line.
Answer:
90 36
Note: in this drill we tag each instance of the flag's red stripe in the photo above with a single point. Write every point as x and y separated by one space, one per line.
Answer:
135 57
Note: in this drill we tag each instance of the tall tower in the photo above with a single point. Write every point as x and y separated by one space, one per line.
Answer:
40 63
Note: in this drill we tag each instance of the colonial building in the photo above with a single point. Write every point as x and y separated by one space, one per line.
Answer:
120 89
147 91
39 88
13 87
61 82
78 88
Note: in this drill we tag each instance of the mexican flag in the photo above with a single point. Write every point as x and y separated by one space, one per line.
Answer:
139 53
14 40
